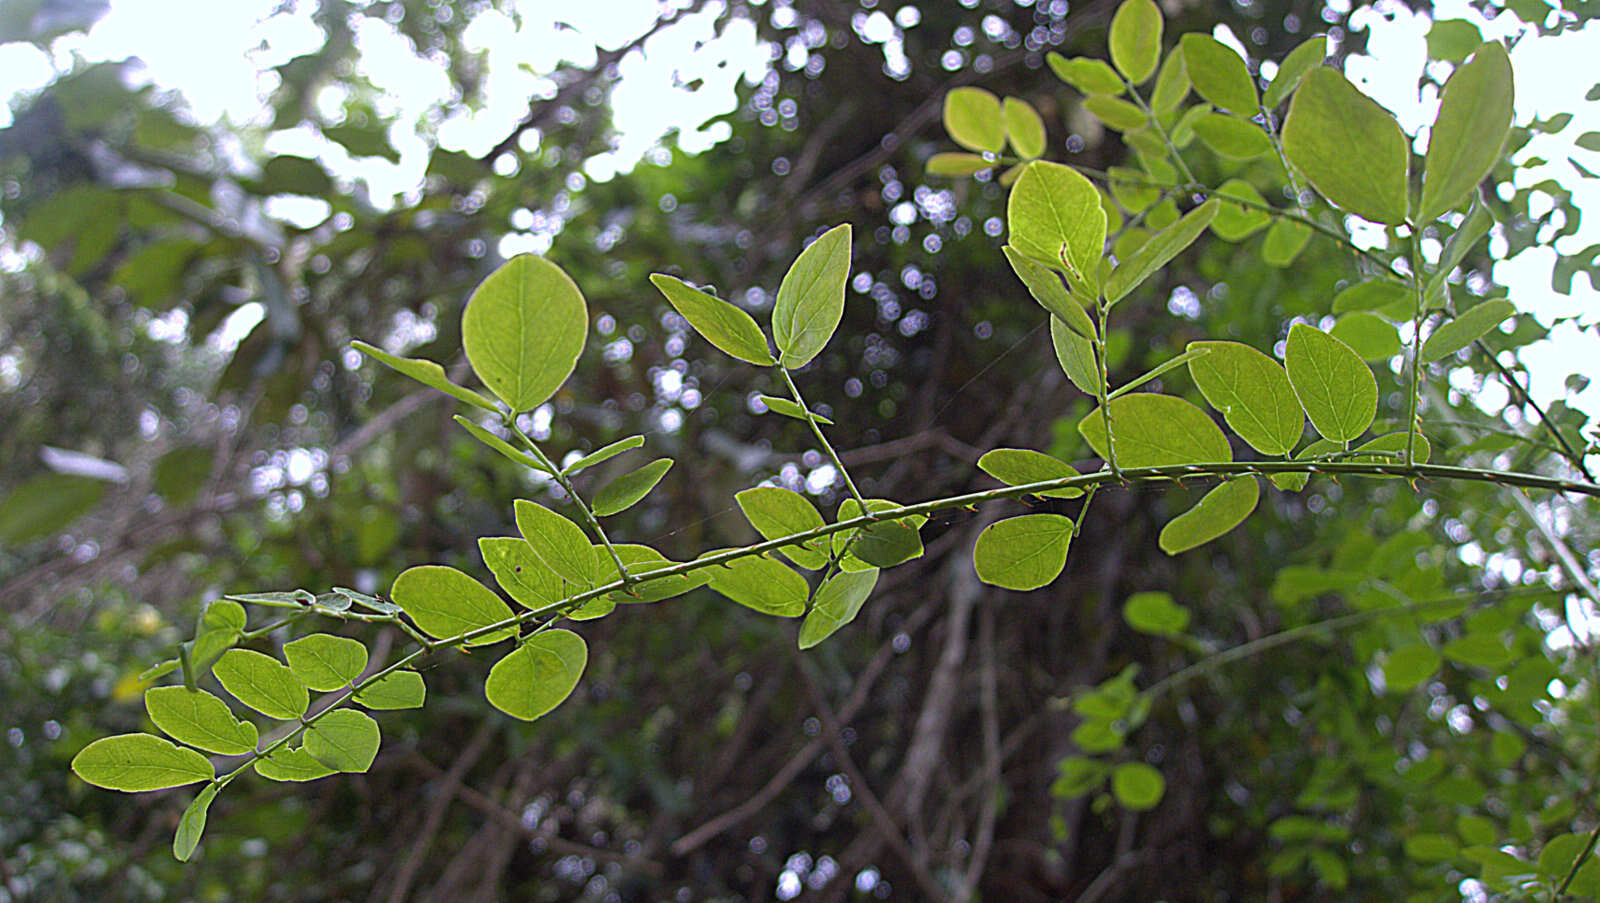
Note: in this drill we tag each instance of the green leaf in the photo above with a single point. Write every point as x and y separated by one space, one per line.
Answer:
1157 430
1328 118
1023 127
538 675
1300 60
445 603
344 739
1466 140
1055 218
1284 242
1472 229
627 490
1136 39
46 504
1137 786
1046 288
372 603
559 542
1023 553
641 561
839 600
159 670
522 573
1252 393
787 408
193 824
1155 613
811 297
1559 854
883 544
287 764
1089 75
263 683
1335 387
523 330
605 453
1373 294
136 762
1158 251
1077 775
1076 356
500 445
776 513
1407 666
1226 506
1116 113
1016 466
1172 84
396 690
1482 650
1453 40
325 662
1219 74
972 117
1430 848
1236 222
426 372
1471 325
297 598
1370 336
1232 137
216 631
1171 363
722 324
199 719
761 584
957 165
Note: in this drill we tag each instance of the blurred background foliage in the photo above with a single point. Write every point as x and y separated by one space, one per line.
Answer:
184 418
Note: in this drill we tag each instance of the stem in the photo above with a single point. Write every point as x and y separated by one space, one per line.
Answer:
816 430
510 421
1416 345
1567 451
1100 345
1172 149
1588 849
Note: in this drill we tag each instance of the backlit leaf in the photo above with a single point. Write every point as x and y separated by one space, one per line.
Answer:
397 690
839 600
1471 325
1158 251
1055 218
1300 60
1047 289
1136 39
1453 40
500 445
957 165
1089 75
973 119
1076 356
1374 294
787 408
1370 336
199 719
1226 506
344 740
1156 430
1335 387
605 453
1284 242
1155 613
538 675
641 561
628 489
263 683
1023 553
883 544
445 603
1219 74
722 324
1407 666
523 574
523 330
1466 140
137 762
1016 466
811 297
46 504
1232 137
1252 393
776 513
1172 83
762 584
559 542
1024 128
1238 221
1137 786
1327 120
325 662
426 372
287 764
193 824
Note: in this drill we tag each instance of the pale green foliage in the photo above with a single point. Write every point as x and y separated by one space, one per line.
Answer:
1328 118
718 322
523 330
1023 553
538 674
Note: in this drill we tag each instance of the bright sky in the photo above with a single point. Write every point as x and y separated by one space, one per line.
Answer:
225 77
